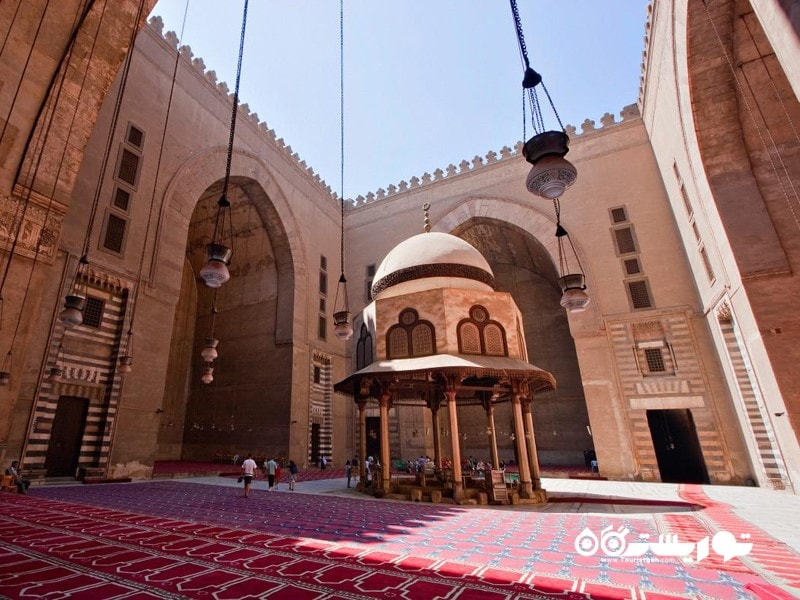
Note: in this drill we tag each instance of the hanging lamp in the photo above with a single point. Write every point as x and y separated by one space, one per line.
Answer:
209 353
220 251
571 277
342 325
126 358
551 174
75 301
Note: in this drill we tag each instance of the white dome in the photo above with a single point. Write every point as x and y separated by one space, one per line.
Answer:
437 258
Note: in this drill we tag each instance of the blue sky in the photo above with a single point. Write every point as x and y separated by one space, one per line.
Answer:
427 82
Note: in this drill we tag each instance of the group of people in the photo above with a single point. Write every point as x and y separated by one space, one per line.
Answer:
272 471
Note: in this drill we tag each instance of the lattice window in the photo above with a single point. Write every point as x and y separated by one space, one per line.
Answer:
93 312
114 238
640 296
128 167
322 328
493 337
655 360
398 343
135 136
469 337
122 199
480 335
632 266
625 241
618 215
323 283
422 340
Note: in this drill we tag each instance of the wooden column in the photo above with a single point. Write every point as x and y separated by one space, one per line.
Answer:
362 444
458 483
525 487
386 467
434 403
492 435
530 440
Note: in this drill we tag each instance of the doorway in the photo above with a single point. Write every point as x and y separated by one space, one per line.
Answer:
66 436
678 452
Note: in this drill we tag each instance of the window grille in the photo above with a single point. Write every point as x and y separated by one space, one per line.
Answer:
640 296
128 167
470 338
493 338
93 312
655 360
115 233
422 340
322 328
632 266
122 199
323 283
135 136
398 343
624 238
618 215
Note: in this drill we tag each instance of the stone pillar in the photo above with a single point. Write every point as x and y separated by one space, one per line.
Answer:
386 471
362 445
458 484
525 488
492 435
533 455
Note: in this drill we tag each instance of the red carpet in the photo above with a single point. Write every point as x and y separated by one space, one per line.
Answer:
179 539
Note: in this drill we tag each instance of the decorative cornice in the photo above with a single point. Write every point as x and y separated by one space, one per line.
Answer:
432 270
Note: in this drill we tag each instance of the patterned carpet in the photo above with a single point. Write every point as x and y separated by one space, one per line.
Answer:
170 539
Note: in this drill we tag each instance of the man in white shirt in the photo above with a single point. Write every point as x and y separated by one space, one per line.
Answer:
248 472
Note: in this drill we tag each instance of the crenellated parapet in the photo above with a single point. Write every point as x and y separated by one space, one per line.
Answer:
648 27
156 24
588 127
477 163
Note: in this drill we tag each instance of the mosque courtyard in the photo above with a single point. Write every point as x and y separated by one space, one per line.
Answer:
199 537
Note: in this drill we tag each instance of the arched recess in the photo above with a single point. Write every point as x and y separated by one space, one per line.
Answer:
525 267
248 405
191 181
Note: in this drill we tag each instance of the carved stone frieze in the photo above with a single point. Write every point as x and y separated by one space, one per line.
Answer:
36 228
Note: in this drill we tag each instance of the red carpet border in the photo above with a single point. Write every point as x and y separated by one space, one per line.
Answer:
171 539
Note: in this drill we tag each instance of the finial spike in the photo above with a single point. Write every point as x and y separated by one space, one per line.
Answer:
425 209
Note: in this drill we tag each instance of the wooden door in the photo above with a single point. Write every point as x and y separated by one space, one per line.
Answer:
66 436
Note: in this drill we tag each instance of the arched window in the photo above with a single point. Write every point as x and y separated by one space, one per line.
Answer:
410 336
478 334
363 348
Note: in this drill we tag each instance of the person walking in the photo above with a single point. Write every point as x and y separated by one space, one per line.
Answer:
249 468
348 470
292 474
277 476
323 462
270 467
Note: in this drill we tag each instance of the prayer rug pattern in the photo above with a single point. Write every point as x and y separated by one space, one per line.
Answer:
175 539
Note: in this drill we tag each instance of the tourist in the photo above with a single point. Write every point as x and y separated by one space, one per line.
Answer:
293 470
249 468
270 467
323 463
278 475
348 470
21 483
